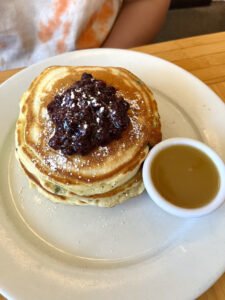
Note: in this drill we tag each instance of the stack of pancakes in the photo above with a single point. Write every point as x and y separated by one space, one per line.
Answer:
109 174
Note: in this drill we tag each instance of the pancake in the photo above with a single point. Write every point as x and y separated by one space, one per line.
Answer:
103 169
130 189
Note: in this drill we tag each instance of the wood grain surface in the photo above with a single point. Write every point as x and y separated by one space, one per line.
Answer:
203 56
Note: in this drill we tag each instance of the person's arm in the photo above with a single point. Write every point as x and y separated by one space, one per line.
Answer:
138 23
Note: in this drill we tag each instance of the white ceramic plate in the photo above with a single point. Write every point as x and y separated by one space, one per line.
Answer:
132 251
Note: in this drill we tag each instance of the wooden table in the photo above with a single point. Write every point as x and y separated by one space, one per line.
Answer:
203 56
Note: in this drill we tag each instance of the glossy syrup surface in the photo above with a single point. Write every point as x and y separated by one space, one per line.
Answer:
185 176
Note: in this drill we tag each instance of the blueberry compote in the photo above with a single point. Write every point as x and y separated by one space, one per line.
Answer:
87 115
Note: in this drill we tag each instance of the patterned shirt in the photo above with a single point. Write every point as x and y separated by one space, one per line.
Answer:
31 30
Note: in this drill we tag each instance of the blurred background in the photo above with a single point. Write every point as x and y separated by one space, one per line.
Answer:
193 17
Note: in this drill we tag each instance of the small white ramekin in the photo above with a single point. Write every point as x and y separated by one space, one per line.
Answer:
166 205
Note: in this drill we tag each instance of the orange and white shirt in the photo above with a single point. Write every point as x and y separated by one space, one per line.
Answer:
31 30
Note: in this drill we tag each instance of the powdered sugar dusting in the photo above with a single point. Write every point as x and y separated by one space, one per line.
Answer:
59 162
136 128
56 160
102 151
60 91
134 105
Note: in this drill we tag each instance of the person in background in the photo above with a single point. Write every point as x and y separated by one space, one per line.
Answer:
34 30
